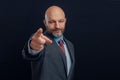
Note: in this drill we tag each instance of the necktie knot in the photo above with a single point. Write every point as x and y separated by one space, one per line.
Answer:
60 42
61 45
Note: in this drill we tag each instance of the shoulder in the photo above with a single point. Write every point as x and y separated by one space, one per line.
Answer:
68 42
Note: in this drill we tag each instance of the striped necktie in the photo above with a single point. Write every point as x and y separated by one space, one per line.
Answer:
61 45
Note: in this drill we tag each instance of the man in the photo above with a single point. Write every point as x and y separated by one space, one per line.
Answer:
50 53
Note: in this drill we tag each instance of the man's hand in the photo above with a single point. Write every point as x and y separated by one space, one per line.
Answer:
38 40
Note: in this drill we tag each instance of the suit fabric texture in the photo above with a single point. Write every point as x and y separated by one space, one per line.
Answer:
50 63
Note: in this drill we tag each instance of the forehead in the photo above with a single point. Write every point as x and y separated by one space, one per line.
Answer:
55 13
55 17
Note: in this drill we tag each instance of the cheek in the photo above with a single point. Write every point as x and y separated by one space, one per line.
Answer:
50 27
63 26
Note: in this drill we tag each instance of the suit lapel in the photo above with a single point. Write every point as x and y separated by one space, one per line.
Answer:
70 49
71 52
60 53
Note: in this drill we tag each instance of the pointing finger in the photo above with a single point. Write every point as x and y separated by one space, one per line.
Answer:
47 39
39 32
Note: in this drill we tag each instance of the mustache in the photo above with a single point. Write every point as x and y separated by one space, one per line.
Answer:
57 29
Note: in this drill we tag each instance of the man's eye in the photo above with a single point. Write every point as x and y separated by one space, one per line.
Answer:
61 21
51 21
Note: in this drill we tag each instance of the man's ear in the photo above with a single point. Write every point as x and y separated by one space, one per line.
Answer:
65 20
44 21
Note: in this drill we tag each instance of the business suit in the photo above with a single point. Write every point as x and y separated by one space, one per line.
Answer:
50 63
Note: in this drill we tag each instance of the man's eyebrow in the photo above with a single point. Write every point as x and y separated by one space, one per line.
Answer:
52 20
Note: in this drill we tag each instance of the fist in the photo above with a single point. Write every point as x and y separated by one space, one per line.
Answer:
39 40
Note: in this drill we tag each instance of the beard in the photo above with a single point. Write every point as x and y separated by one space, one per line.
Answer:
57 32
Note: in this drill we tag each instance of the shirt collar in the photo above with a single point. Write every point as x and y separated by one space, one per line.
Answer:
57 39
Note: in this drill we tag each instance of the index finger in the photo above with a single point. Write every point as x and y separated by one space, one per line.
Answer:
39 32
47 39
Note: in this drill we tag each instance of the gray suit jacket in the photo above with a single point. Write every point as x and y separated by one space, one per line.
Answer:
50 63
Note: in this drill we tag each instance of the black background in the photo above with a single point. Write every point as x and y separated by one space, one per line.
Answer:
92 25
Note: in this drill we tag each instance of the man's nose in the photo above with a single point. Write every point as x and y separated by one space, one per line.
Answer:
57 25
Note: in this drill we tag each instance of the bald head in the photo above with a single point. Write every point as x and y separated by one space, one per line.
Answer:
54 11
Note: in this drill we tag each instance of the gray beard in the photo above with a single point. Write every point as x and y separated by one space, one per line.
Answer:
57 35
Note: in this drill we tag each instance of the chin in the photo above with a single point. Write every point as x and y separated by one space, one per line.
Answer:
58 35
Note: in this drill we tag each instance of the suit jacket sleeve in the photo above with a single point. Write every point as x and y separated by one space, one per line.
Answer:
27 55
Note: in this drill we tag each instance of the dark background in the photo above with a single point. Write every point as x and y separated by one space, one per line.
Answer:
93 27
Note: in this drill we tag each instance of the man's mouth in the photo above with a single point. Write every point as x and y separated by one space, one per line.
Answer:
57 31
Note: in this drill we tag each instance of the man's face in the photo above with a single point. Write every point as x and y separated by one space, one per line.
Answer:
55 24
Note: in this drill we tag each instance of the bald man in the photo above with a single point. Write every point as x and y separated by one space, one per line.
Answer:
50 53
